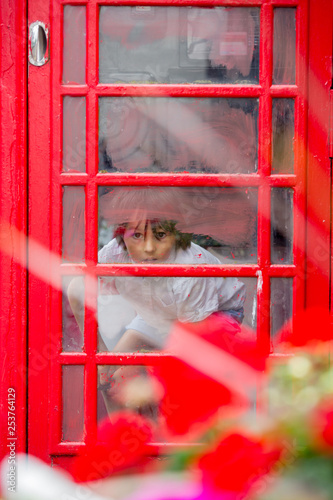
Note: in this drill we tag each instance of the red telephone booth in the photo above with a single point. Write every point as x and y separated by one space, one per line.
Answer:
220 107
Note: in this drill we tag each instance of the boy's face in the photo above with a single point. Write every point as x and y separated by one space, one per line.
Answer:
146 242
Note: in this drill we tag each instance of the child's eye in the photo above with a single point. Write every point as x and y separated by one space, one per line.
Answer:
160 235
137 235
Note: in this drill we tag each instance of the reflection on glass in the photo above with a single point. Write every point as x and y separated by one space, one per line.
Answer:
114 313
222 221
281 304
250 302
72 403
282 226
146 44
74 134
186 226
194 135
73 223
284 46
283 121
129 387
151 305
74 48
72 295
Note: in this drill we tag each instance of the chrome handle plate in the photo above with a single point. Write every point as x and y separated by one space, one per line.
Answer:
38 44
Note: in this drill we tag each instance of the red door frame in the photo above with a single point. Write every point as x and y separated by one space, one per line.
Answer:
319 196
13 338
13 217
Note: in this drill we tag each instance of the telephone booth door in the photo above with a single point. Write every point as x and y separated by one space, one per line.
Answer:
220 110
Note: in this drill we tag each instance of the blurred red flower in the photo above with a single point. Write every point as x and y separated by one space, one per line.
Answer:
237 462
307 329
322 425
215 364
122 442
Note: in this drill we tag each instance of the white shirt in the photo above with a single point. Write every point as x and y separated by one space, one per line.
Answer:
159 301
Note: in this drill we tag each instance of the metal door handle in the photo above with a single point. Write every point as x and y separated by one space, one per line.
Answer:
38 43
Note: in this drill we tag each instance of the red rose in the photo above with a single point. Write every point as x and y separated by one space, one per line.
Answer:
237 463
215 364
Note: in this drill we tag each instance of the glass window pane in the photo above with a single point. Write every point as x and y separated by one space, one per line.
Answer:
250 302
72 302
284 46
72 403
114 313
281 305
193 135
126 387
73 224
282 226
188 226
74 134
74 48
148 44
222 221
283 121
151 305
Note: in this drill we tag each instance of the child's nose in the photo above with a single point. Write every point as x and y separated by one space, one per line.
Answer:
150 244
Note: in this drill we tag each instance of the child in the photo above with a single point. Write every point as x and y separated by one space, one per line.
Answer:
159 301
149 236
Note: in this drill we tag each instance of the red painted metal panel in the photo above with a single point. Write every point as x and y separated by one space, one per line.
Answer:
318 164
264 162
177 270
92 207
54 219
13 216
46 193
302 20
181 179
42 348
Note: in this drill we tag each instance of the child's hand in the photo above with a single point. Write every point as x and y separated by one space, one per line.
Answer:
105 374
112 379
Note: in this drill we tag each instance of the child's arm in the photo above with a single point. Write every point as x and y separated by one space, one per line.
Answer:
131 341
110 378
75 294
